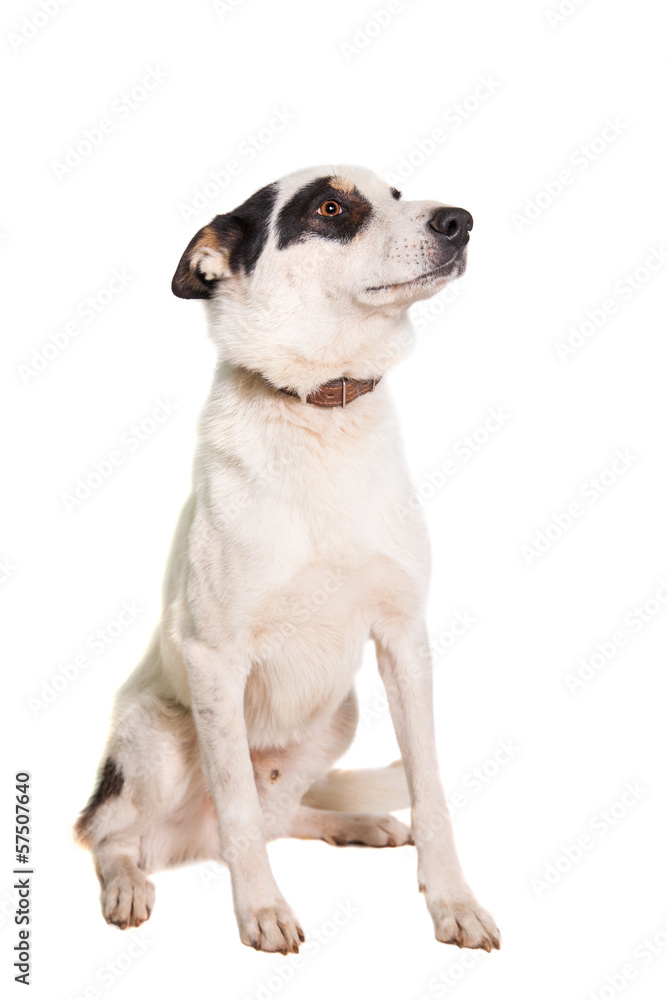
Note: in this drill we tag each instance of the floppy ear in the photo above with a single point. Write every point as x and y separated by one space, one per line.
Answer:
206 259
228 244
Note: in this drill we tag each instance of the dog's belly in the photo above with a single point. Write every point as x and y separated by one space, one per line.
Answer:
308 645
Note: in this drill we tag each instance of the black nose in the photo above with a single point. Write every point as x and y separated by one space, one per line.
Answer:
452 223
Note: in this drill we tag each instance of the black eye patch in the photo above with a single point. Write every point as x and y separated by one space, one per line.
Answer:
298 219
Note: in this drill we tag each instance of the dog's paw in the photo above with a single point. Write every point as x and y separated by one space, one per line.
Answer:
272 928
366 829
128 898
465 923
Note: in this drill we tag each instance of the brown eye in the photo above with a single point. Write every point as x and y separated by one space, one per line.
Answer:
329 208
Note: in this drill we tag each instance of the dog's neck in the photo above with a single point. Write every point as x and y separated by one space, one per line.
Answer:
304 363
338 392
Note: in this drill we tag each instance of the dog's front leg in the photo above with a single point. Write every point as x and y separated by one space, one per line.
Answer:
405 666
217 686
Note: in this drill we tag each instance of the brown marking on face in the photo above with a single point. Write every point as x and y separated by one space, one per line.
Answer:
275 774
358 208
342 184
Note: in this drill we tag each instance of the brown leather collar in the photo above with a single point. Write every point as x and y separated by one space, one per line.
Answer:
338 392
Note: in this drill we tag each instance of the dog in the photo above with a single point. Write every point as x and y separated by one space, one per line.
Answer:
289 556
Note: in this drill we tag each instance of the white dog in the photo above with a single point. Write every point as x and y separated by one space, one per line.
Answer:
293 550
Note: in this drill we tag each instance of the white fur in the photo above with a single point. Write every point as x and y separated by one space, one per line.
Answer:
374 790
288 557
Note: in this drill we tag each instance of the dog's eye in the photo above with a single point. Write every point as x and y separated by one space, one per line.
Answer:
329 208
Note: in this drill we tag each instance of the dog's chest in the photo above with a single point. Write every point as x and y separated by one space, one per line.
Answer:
310 549
325 589
307 642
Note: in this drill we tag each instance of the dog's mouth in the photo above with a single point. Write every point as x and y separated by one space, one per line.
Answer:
453 267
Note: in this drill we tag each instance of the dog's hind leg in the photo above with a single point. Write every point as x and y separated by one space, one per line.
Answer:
110 827
127 896
150 768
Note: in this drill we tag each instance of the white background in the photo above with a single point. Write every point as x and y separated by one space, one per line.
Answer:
554 85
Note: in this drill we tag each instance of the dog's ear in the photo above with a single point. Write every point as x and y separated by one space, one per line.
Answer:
227 245
206 259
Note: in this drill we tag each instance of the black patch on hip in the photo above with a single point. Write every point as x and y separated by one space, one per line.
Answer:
109 785
298 219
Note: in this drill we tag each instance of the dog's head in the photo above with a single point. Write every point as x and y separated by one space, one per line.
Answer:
311 275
